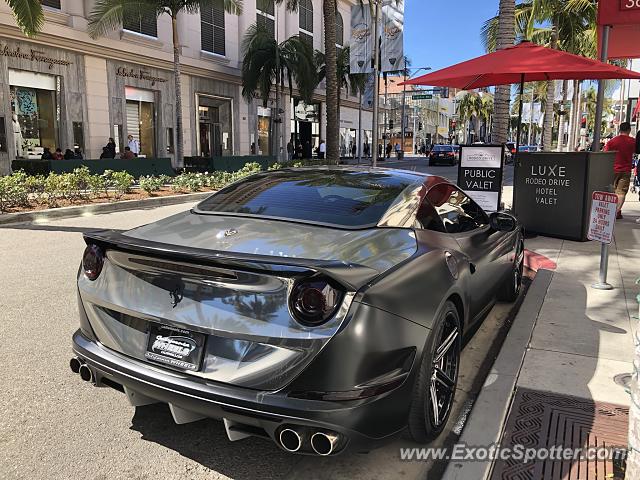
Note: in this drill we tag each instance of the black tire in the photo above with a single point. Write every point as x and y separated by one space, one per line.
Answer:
513 284
424 424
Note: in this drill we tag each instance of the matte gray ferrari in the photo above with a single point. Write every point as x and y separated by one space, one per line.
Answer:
323 308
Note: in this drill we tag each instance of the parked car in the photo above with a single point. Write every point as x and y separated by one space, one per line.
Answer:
326 323
442 154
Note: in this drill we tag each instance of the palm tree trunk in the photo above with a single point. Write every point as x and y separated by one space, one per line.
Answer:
575 112
333 127
560 147
506 37
179 159
548 109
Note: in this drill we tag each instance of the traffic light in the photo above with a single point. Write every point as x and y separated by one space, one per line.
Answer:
583 122
419 125
390 124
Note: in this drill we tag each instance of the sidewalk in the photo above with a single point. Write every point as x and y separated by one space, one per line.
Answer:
559 377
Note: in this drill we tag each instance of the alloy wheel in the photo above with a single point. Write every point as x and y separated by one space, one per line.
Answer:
444 372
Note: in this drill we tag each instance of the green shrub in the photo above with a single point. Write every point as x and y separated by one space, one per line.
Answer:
13 191
150 184
121 182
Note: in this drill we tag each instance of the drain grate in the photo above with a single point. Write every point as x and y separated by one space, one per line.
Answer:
542 420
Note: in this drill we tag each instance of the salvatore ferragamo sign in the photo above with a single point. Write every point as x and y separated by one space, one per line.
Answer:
33 56
139 74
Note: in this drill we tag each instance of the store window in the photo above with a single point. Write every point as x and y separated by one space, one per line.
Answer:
215 138
264 129
51 3
212 28
265 16
169 141
339 30
78 136
35 112
141 121
305 19
3 135
305 126
145 23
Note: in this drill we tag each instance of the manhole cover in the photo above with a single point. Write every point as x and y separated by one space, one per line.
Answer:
542 421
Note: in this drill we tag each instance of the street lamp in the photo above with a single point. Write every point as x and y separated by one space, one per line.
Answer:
404 96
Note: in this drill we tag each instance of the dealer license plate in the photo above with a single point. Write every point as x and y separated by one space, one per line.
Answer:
174 346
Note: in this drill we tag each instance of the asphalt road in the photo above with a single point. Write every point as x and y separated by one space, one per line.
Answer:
54 426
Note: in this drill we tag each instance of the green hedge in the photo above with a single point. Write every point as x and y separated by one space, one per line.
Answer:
136 166
225 164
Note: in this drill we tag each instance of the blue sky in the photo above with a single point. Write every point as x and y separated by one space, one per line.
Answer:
439 33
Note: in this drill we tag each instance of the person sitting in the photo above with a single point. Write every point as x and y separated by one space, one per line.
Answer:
127 154
68 154
46 154
77 154
106 153
57 155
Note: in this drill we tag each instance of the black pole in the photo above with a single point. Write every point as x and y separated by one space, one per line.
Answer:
518 131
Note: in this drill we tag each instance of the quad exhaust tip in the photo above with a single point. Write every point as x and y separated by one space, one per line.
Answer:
85 373
290 440
324 443
75 364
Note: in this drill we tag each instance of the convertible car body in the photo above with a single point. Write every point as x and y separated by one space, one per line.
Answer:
322 308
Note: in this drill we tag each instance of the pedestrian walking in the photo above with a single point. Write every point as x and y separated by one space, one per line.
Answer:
354 150
397 147
379 150
389 148
289 151
322 150
624 145
299 151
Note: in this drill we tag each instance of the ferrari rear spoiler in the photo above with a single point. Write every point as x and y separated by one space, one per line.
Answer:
352 276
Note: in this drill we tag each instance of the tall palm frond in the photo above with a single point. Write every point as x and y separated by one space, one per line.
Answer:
28 14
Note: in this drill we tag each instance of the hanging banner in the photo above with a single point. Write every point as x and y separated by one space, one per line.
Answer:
392 35
367 95
361 45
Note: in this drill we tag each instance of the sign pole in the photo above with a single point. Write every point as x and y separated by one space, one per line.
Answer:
597 128
376 85
604 266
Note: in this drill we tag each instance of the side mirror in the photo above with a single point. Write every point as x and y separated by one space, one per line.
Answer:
503 222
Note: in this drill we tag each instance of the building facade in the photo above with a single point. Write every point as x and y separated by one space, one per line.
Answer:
63 89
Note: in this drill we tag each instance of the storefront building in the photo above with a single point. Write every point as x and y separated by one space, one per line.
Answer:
63 89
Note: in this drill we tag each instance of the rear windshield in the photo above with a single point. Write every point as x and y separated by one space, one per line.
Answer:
443 148
343 198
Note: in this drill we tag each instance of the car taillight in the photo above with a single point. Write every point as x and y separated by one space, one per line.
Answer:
513 150
92 261
314 301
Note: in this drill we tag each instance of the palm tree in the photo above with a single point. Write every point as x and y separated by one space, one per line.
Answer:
329 11
505 37
28 14
477 109
268 63
107 15
567 25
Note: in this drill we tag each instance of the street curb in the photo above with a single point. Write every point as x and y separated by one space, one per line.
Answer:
490 410
100 208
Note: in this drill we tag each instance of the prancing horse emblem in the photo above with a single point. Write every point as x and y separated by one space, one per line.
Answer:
228 233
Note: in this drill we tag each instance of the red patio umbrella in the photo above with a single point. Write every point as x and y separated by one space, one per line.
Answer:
525 62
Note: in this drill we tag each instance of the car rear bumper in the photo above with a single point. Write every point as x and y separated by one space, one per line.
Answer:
248 412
